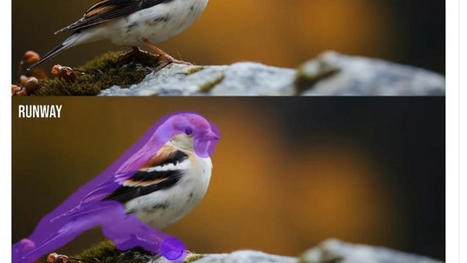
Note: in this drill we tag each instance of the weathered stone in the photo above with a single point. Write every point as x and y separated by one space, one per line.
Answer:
333 74
337 251
330 74
331 251
240 79
244 256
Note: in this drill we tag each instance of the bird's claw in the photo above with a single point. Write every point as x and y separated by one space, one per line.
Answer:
176 61
164 62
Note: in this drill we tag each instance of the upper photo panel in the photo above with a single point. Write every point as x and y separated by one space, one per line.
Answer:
228 48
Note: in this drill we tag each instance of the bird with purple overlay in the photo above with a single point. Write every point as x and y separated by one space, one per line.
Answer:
132 23
159 180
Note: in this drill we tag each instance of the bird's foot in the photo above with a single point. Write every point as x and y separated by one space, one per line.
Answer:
182 62
171 60
167 60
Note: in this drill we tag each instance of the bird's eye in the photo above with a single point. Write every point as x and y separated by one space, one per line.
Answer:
188 131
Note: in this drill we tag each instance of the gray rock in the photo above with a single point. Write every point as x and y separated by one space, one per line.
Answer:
333 74
244 256
331 251
330 74
240 79
337 251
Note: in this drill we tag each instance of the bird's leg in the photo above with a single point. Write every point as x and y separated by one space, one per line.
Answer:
164 54
168 59
128 232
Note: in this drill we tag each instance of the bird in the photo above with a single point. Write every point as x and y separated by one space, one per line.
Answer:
158 181
131 23
167 187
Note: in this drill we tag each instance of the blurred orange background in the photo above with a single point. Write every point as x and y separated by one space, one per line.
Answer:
276 32
288 173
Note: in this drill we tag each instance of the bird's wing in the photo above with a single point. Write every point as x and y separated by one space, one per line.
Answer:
107 10
163 171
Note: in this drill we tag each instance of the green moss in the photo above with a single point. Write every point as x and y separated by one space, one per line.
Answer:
105 252
101 73
208 86
101 251
193 69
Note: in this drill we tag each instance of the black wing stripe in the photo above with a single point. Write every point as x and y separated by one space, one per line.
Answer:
177 157
97 19
164 179
109 3
142 176
121 8
126 193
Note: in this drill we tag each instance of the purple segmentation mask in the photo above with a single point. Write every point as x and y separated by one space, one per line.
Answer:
86 209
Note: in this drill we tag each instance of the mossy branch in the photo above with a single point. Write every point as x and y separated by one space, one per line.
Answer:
113 68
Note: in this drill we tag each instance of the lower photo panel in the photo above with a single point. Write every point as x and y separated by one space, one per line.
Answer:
279 176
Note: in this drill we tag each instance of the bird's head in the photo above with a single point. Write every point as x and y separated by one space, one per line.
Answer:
193 132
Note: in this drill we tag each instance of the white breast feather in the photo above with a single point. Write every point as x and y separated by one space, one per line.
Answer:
157 23
176 201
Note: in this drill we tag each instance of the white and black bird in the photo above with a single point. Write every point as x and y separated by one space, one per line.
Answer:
132 23
156 182
167 187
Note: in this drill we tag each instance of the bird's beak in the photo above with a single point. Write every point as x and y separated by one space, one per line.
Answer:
210 136
206 144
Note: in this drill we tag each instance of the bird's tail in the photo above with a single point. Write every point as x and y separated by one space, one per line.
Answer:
69 42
